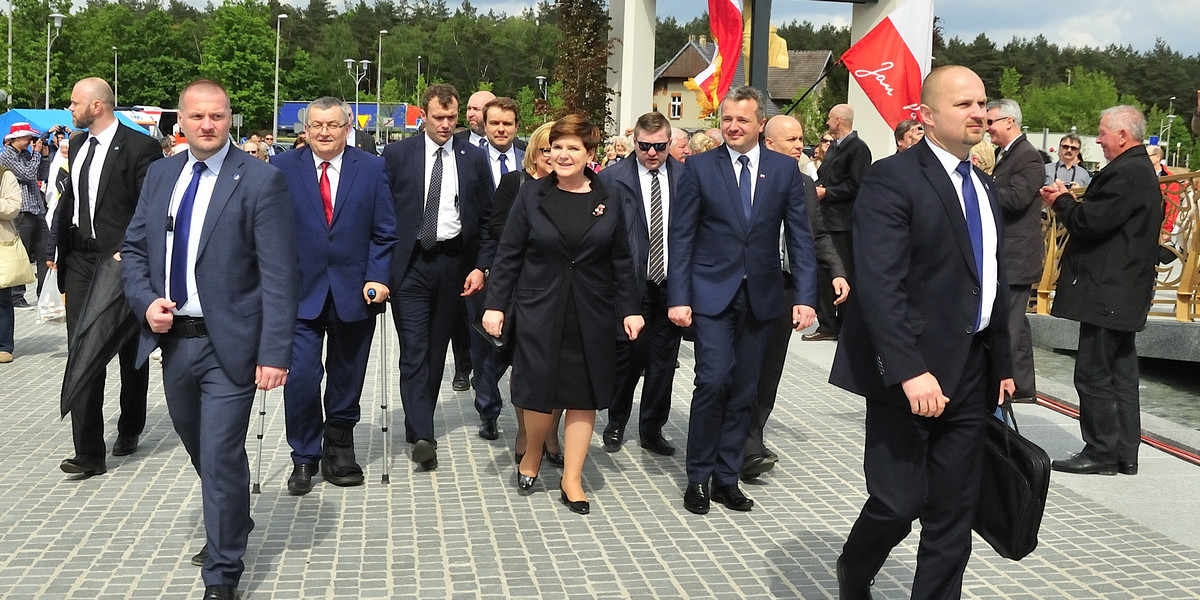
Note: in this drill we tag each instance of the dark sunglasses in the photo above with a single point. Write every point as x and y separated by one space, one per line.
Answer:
1066 147
990 121
825 141
658 146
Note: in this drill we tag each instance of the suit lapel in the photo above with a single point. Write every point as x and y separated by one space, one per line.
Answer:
936 175
725 168
227 182
312 182
760 186
345 180
110 159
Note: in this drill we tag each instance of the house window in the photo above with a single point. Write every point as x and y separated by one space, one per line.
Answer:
654 107
676 106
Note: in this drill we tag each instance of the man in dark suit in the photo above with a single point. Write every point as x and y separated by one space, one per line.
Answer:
358 138
442 194
107 164
784 135
1107 283
344 214
500 124
210 266
924 341
1017 178
646 188
838 180
723 280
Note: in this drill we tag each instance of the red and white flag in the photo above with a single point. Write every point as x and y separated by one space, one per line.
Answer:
890 61
725 20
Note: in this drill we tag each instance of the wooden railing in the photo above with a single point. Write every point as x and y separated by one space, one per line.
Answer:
1177 280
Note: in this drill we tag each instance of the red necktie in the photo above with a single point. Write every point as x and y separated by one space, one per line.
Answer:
326 194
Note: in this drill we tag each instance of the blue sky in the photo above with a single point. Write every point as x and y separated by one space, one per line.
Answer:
1088 23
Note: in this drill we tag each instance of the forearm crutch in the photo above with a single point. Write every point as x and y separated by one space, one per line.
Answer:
262 428
382 382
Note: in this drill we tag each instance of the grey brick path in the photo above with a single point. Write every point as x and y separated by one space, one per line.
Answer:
463 531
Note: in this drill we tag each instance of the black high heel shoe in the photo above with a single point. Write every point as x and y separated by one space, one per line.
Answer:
517 456
580 507
554 459
525 482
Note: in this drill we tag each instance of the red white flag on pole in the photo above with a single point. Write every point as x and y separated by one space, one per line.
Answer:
890 61
725 19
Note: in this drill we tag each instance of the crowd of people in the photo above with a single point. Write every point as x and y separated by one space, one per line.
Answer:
584 277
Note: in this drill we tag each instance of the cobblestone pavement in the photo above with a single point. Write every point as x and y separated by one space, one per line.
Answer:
462 531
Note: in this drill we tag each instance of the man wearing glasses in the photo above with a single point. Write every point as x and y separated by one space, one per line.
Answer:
647 187
1068 168
343 211
1016 176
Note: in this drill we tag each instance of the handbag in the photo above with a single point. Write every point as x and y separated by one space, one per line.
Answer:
14 265
499 343
1012 494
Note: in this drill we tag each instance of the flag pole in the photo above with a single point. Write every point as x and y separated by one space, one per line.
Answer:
825 74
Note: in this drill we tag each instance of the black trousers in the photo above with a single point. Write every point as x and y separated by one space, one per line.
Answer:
654 353
829 318
774 358
1106 378
87 416
35 234
1021 342
923 468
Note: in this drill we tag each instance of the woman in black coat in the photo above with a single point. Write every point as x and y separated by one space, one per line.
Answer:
565 254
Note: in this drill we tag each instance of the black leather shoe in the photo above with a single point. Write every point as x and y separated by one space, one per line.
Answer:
525 482
579 507
201 557
424 453
817 336
300 483
555 459
125 445
83 466
221 592
461 382
1082 465
1126 467
769 454
848 591
613 438
755 465
488 429
658 445
695 499
732 497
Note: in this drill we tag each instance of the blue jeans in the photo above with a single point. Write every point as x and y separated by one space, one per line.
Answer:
6 320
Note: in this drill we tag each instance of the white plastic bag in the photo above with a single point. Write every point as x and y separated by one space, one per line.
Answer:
50 304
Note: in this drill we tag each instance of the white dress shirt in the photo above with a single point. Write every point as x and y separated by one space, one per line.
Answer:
104 139
987 280
753 155
510 158
208 180
644 178
449 223
334 174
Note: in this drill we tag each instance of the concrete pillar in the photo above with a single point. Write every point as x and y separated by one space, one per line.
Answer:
870 126
632 60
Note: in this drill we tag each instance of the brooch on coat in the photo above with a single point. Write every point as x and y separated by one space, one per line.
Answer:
599 210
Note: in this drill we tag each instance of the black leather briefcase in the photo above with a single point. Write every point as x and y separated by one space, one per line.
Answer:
1012 497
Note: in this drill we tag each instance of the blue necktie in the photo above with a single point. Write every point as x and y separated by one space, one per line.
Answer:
974 223
503 164
181 227
744 184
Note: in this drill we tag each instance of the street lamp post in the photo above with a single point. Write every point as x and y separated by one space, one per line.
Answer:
115 77
58 19
542 86
418 72
379 87
357 72
1170 122
275 105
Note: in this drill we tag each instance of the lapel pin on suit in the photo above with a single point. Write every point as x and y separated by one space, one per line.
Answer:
237 176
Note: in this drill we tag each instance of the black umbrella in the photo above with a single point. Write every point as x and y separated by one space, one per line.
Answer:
105 324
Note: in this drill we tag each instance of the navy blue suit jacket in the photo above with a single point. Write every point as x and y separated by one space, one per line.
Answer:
916 292
338 258
622 181
246 276
713 247
404 162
